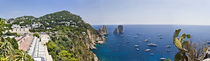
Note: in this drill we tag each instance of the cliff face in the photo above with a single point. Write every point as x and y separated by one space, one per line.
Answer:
97 36
119 29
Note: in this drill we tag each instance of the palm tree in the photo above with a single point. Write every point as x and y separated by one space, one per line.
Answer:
21 55
7 52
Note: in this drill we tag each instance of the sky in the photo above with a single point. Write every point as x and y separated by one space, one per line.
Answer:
98 12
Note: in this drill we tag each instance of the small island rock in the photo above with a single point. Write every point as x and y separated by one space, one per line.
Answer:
119 29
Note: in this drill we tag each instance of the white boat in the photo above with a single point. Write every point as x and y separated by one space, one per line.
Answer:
147 50
136 45
146 40
162 59
152 44
137 49
168 46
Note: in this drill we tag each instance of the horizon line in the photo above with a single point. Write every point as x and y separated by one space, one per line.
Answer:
157 24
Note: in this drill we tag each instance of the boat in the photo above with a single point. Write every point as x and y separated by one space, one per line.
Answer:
168 46
137 49
162 59
147 50
136 45
152 45
146 40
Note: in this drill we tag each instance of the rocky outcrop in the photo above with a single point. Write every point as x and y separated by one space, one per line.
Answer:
95 37
103 30
119 29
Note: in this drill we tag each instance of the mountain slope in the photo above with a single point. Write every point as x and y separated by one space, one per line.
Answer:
71 38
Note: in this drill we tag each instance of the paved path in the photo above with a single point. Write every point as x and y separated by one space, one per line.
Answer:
38 49
25 42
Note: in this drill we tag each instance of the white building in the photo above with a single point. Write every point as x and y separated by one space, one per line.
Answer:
20 29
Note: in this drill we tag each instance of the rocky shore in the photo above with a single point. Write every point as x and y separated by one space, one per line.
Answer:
99 36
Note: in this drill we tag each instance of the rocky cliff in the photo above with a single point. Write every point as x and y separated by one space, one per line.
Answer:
119 29
98 36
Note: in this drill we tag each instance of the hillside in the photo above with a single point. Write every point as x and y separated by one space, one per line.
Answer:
71 38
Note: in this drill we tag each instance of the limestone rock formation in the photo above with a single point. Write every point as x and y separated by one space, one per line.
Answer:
119 29
103 30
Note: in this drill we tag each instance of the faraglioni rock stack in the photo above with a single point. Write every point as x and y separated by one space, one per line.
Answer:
103 30
119 30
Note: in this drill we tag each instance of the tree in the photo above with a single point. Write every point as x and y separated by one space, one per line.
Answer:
36 35
64 55
8 53
10 34
2 25
20 55
51 46
13 41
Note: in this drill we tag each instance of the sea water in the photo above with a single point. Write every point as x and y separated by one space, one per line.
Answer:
122 47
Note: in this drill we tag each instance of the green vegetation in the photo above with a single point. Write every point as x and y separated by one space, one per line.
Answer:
10 34
13 41
2 25
188 51
36 35
68 33
23 21
8 53
67 41
9 48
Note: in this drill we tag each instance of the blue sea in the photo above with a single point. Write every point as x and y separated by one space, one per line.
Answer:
122 47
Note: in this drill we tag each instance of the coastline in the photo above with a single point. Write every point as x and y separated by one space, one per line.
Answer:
97 38
95 56
98 42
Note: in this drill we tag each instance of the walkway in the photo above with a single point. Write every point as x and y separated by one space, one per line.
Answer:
38 49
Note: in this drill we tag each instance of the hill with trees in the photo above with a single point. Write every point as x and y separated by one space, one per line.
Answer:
71 38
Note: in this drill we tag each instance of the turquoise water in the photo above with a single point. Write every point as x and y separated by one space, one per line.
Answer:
121 47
